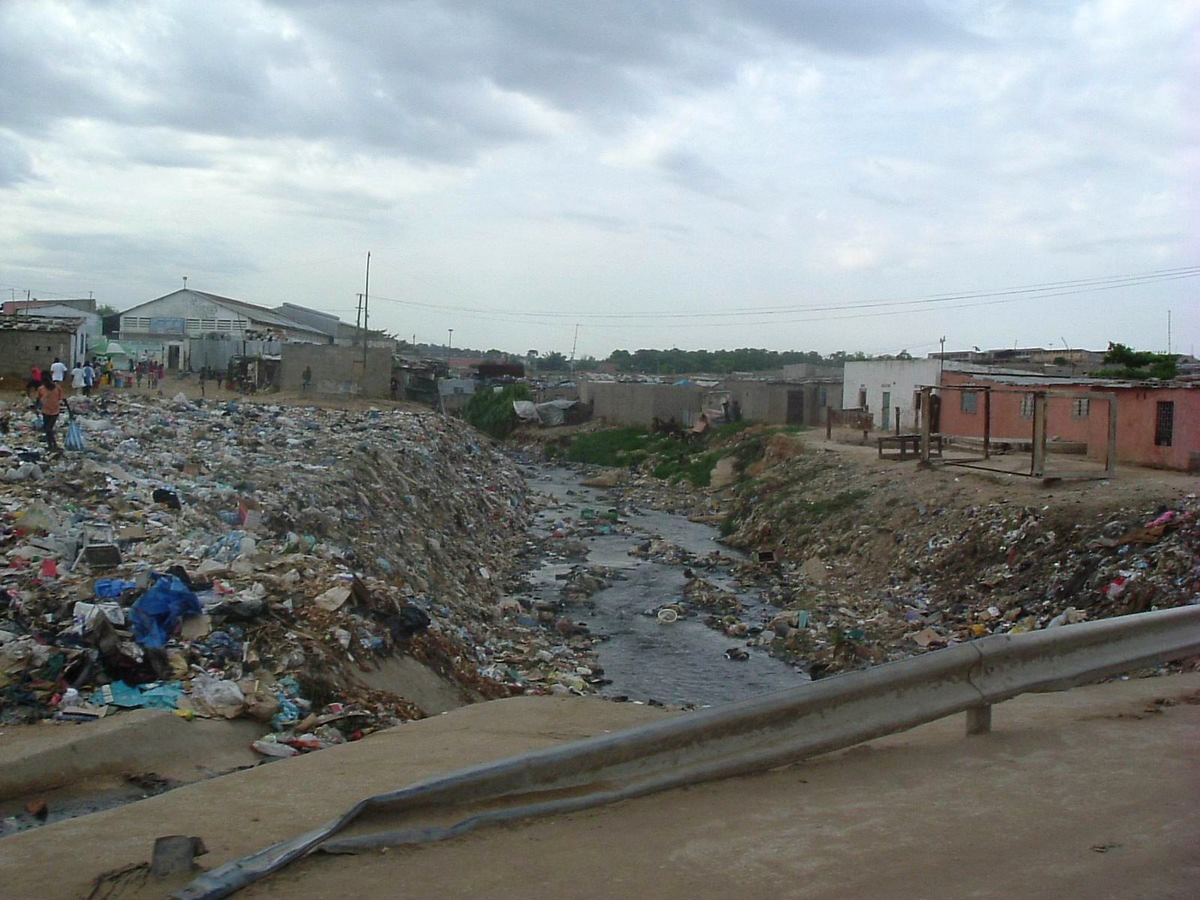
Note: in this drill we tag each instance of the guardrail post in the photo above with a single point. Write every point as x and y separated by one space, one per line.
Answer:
979 719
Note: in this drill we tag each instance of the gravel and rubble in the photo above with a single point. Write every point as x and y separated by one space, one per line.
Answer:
866 561
248 559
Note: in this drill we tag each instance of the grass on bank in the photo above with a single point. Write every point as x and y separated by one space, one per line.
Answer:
491 411
674 457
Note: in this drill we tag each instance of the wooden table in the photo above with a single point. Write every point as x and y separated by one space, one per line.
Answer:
908 445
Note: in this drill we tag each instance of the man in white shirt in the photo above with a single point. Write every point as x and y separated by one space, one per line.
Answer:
58 370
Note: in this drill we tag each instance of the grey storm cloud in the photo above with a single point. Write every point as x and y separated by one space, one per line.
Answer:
438 81
108 253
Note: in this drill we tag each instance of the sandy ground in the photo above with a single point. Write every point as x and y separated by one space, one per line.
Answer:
1006 475
1086 794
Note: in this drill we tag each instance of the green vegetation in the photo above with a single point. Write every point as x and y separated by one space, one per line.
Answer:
748 451
787 495
611 447
729 429
683 465
747 359
492 411
1125 362
815 510
674 457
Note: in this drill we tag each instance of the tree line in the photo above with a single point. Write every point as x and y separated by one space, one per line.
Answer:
682 362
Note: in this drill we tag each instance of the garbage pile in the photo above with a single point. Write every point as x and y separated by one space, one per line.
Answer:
236 559
865 563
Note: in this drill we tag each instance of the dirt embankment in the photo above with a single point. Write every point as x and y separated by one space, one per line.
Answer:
870 560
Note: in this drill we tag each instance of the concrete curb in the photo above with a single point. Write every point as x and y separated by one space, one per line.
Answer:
128 743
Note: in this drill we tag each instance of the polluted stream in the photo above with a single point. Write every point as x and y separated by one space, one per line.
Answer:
683 663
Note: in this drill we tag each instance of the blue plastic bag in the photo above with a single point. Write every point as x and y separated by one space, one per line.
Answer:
108 588
158 611
75 439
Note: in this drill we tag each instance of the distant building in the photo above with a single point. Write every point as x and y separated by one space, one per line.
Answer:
35 341
82 308
1037 359
164 328
885 387
801 399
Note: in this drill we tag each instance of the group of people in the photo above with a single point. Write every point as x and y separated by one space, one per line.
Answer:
84 376
152 371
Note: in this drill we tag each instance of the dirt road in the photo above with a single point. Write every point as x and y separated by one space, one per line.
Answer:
1087 794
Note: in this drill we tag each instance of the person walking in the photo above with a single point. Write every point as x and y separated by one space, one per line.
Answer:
34 382
58 370
89 378
77 377
51 400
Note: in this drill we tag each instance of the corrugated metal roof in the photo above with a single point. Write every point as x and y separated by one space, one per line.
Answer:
250 311
45 324
1033 379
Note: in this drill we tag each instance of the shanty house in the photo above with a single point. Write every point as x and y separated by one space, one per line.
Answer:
1157 423
27 341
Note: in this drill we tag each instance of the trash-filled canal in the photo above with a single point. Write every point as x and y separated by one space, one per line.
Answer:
681 662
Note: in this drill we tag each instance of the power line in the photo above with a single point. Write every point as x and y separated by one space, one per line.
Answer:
879 308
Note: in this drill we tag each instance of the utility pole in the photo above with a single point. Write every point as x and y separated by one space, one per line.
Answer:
942 359
366 300
449 344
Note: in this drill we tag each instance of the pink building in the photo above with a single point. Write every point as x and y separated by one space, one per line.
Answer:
1157 425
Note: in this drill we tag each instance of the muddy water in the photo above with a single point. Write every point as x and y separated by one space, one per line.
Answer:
678 664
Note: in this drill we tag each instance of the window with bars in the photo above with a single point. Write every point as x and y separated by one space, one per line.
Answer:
970 401
1027 406
1164 423
1081 407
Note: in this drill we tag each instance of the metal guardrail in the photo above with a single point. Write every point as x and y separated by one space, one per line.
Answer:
749 736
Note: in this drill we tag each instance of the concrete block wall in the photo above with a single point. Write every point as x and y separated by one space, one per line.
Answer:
634 403
768 402
336 370
21 349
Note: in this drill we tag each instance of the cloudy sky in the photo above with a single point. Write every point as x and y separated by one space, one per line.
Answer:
790 174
